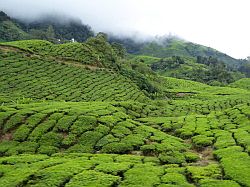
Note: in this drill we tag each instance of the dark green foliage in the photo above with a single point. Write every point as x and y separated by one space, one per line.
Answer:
51 139
4 16
207 70
164 64
10 31
7 145
245 68
104 51
40 130
50 28
119 49
13 122
24 147
65 123
140 80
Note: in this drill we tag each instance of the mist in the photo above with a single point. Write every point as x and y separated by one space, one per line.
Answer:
222 25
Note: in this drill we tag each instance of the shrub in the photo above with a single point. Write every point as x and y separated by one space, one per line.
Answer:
135 140
64 123
108 120
202 141
39 131
197 173
216 183
79 148
116 147
69 140
239 171
148 149
175 179
46 149
13 122
21 133
224 139
51 139
93 178
83 124
24 147
172 157
106 140
139 175
6 145
113 168
120 131
191 157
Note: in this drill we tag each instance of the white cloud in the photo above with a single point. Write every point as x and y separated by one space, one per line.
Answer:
221 24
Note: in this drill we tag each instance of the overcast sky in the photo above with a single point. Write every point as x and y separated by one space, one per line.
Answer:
220 24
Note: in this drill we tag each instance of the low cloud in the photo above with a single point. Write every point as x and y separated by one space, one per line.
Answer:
219 24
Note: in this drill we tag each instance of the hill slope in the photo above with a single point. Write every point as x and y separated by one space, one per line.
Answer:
28 75
78 114
47 28
171 46
242 83
207 70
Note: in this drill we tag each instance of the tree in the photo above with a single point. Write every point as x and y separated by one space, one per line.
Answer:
3 16
102 35
50 33
119 49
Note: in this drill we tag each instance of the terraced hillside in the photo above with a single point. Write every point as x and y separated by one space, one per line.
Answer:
37 77
95 51
64 122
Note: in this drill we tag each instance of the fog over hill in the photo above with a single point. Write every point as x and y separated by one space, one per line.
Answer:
221 25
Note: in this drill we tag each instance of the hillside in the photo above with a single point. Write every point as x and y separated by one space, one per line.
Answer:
70 75
242 83
78 114
52 28
46 28
164 47
178 47
206 70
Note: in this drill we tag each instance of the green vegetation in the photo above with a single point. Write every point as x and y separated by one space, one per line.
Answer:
242 83
207 70
24 76
88 114
172 46
49 28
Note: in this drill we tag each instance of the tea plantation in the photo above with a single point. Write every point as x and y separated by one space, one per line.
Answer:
68 117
